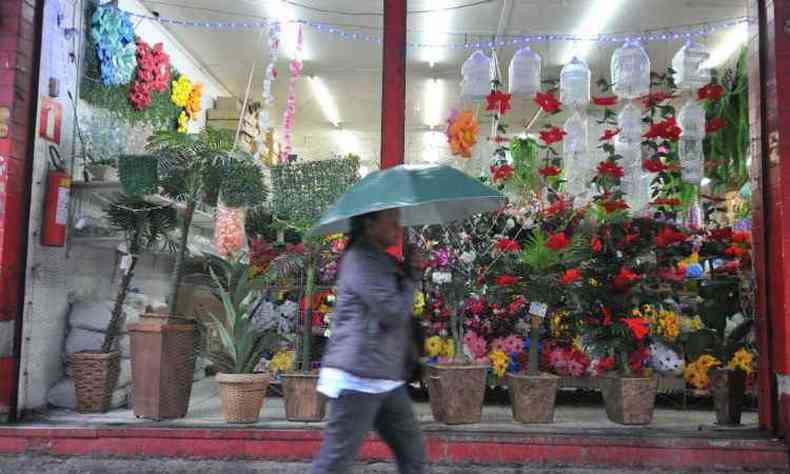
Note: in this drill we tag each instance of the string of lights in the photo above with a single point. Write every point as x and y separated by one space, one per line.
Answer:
673 34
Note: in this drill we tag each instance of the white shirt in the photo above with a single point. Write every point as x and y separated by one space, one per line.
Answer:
331 382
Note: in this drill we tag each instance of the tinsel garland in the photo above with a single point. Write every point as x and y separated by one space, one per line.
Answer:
290 107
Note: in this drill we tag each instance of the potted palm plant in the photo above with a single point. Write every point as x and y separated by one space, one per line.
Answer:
96 372
241 345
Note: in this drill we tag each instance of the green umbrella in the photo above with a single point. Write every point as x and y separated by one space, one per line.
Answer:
425 194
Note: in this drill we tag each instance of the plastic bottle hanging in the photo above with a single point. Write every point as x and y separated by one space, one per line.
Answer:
688 66
630 70
629 121
476 72
575 83
578 170
636 181
692 120
525 73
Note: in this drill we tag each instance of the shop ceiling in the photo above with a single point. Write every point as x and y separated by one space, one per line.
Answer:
350 70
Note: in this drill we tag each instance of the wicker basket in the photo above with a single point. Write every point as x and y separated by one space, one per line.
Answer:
303 402
242 396
95 376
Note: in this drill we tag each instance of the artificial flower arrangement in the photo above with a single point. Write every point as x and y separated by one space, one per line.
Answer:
153 74
188 95
113 33
462 133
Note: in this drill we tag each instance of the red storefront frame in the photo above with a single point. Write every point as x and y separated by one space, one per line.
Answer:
20 35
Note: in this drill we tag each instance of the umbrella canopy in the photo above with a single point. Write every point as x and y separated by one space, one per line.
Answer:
425 194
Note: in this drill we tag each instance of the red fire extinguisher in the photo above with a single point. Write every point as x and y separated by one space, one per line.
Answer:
56 202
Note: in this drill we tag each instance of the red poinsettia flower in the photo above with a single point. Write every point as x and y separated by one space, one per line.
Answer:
606 363
501 173
624 279
613 205
610 168
517 304
742 237
570 276
507 245
735 251
548 171
609 134
498 101
654 166
656 98
552 135
557 241
670 202
629 238
676 274
597 244
557 207
638 327
711 92
605 101
547 102
714 125
506 280
668 236
667 129
724 233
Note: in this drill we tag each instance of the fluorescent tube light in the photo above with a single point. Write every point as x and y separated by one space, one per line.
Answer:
731 42
325 100
593 23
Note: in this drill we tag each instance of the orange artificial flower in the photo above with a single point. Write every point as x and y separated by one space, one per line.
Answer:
462 133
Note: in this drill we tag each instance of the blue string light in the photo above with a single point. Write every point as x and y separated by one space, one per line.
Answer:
697 31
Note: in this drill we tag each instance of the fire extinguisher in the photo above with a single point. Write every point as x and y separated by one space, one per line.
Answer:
56 202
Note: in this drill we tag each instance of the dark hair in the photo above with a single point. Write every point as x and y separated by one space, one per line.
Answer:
357 231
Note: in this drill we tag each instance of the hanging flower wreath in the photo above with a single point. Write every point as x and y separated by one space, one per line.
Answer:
462 132
113 32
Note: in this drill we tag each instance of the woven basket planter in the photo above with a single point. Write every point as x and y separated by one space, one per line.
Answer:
532 398
728 387
242 396
302 400
163 363
95 376
629 400
457 393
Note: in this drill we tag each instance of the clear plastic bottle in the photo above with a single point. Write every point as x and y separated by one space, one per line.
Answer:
525 73
636 180
692 160
575 83
691 119
476 72
687 64
629 121
574 155
630 70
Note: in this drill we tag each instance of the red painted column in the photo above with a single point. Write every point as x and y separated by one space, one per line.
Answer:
20 35
393 90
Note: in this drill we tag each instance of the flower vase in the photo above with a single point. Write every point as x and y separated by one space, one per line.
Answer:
629 400
532 398
457 393
729 388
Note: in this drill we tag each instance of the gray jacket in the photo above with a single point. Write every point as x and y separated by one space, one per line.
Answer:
371 330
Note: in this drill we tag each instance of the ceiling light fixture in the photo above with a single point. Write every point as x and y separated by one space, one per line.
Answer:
346 141
434 25
730 43
325 100
433 102
595 20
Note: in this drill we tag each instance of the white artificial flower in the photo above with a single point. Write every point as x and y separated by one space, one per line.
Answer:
468 257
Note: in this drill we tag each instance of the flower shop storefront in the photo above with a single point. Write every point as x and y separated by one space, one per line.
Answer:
173 303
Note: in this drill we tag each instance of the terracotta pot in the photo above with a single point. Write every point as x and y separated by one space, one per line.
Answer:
163 362
95 375
729 388
302 400
629 400
457 393
532 397
242 396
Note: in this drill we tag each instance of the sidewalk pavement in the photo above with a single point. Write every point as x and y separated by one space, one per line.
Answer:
50 465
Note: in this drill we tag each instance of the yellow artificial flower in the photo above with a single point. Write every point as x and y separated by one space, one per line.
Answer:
434 346
499 362
696 373
181 90
668 325
743 359
449 348
283 361
183 120
578 343
692 324
419 303
193 106
557 323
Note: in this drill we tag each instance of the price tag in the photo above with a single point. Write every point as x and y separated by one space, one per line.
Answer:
538 309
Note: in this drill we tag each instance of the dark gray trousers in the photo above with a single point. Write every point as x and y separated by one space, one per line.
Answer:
353 414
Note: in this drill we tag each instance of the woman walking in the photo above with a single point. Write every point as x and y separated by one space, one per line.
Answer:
371 350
